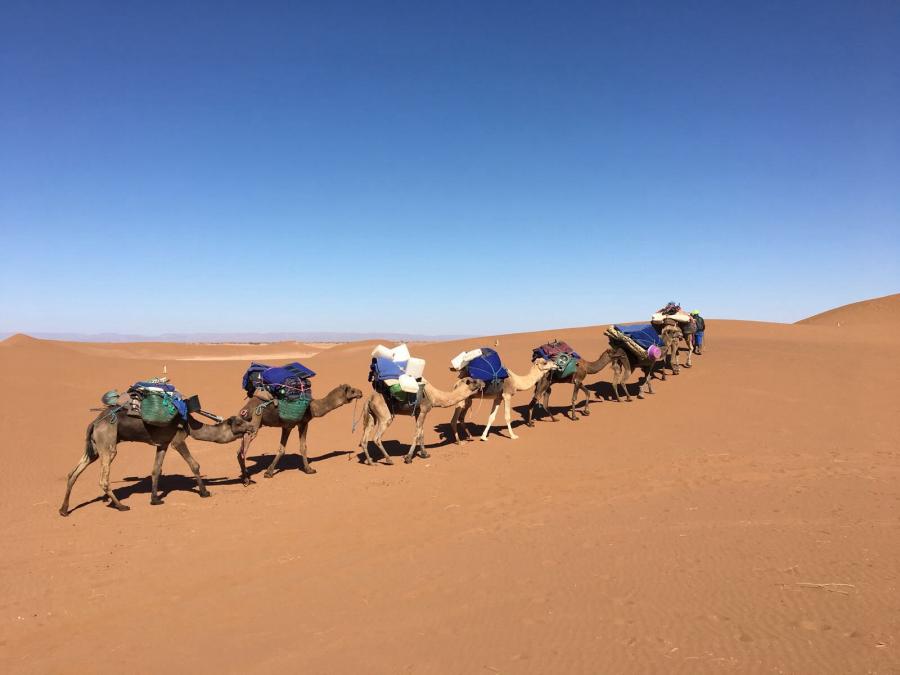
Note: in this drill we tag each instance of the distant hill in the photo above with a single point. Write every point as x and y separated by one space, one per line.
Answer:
883 312
315 336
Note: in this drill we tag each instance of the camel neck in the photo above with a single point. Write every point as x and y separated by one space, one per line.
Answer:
323 406
528 380
444 399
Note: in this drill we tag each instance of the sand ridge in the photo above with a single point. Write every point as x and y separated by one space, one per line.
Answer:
742 519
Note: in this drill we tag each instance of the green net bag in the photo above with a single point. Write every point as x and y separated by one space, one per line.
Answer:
157 409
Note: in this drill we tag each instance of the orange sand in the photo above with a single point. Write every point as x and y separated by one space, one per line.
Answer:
690 532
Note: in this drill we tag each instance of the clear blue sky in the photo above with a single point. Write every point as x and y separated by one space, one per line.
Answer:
443 167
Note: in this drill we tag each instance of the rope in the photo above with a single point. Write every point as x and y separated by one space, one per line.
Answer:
112 415
354 420
263 406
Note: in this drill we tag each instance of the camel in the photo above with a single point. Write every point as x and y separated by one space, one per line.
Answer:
582 369
512 384
110 428
624 362
262 412
672 334
379 413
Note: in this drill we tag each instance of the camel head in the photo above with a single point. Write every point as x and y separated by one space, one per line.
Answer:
468 385
349 393
239 426
544 365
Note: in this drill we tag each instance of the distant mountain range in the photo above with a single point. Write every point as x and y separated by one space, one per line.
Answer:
315 336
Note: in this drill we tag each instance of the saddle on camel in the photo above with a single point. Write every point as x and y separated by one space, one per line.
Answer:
560 353
482 364
397 376
286 387
673 315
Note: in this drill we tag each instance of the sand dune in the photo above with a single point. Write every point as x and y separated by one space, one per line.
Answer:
742 519
881 312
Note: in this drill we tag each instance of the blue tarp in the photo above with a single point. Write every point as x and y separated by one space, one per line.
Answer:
644 334
279 374
385 369
487 367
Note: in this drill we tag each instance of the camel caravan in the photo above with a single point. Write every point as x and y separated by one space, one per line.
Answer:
154 412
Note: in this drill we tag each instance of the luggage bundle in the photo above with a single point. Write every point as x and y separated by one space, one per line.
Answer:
482 364
157 401
560 353
672 311
642 340
289 385
396 373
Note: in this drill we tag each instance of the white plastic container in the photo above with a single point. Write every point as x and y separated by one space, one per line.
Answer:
408 384
382 352
400 353
415 367
462 359
391 382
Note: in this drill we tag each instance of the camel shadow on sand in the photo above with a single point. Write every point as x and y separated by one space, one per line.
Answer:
173 482
601 392
289 462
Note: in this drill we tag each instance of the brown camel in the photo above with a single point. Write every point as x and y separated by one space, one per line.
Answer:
672 335
582 369
109 429
512 384
380 412
261 410
624 363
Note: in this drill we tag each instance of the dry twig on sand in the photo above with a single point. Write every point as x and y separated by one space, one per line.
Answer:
831 587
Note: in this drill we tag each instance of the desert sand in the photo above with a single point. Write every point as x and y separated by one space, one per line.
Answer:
744 518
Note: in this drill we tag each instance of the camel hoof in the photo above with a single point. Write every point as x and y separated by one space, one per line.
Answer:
122 507
205 494
423 454
153 502
268 474
482 438
529 424
514 437
585 412
407 460
64 513
245 482
368 462
389 461
309 470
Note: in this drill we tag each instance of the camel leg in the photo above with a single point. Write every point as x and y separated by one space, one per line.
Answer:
529 411
587 400
86 460
242 457
302 430
154 477
507 402
648 378
459 421
690 346
495 406
379 432
576 385
420 428
107 455
364 441
418 443
186 455
546 404
285 432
